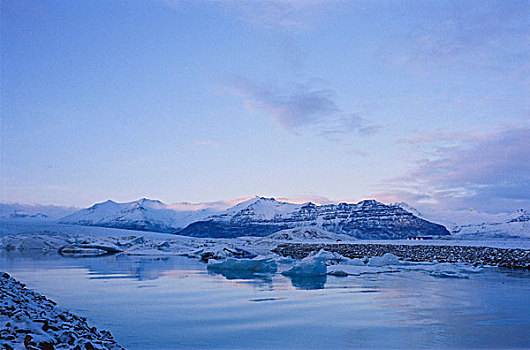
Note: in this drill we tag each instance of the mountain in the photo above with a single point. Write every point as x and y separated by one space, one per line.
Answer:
475 223
257 216
367 219
11 210
143 214
24 215
516 224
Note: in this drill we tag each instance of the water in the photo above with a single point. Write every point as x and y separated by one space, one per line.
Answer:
176 303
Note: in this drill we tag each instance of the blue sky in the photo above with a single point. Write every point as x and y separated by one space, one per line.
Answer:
424 102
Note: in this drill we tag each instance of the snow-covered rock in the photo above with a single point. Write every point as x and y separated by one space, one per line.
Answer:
29 320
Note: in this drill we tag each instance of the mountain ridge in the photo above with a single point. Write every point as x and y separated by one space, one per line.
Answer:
259 216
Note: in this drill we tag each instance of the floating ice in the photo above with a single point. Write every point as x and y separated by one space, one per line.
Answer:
32 242
448 270
221 252
307 268
256 265
356 262
329 258
78 252
315 264
386 259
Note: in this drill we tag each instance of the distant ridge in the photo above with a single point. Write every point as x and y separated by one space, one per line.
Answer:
258 216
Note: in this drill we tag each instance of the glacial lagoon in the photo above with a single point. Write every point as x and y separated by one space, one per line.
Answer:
175 302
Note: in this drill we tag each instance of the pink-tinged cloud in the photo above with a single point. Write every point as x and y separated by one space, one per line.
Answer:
490 173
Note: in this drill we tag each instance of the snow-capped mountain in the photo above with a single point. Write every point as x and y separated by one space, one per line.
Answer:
143 214
367 219
516 224
475 223
24 215
258 216
37 211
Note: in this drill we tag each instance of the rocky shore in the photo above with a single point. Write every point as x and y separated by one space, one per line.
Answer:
502 257
29 320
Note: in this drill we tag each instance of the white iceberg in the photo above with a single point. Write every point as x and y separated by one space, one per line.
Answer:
313 265
256 265
310 267
448 270
386 259
356 262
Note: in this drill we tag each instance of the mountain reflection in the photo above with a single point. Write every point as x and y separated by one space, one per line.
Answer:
143 268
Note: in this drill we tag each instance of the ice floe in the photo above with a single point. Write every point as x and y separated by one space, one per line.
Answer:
386 259
315 264
256 265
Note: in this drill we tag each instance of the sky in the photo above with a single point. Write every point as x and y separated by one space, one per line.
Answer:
426 102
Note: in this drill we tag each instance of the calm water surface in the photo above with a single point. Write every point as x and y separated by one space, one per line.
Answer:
176 303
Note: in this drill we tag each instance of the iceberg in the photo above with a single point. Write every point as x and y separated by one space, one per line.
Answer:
448 270
256 265
386 259
356 262
315 264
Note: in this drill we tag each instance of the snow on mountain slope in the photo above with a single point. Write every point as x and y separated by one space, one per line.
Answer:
259 208
147 214
51 211
94 214
257 216
367 219
144 214
475 223
24 215
516 224
303 234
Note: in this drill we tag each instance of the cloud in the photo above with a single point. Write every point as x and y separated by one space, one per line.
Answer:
279 14
343 125
302 106
270 14
490 173
487 34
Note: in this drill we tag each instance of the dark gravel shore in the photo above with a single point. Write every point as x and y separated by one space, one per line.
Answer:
515 258
29 320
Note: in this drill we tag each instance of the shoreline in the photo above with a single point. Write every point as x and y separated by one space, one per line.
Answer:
29 320
475 255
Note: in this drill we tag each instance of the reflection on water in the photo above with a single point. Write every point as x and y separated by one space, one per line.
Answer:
174 302
308 283
241 275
